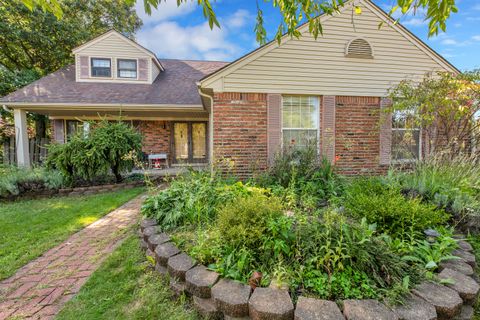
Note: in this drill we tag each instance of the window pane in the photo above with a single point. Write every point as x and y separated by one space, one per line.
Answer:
127 64
127 74
101 63
299 138
405 144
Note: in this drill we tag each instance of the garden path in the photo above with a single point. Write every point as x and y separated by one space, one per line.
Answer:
40 289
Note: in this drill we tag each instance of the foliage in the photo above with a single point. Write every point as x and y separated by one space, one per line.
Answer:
110 146
453 184
115 142
125 287
446 107
294 12
28 228
39 42
301 179
12 80
192 198
385 205
15 180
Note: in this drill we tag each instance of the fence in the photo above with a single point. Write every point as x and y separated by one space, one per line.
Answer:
36 147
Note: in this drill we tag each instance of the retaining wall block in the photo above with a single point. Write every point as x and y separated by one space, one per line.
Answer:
207 308
270 304
177 287
150 231
465 246
446 301
457 265
465 256
164 251
316 309
415 308
199 281
467 313
156 239
466 287
231 297
145 223
179 264
367 310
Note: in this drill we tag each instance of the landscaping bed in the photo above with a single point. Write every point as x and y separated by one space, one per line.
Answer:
310 233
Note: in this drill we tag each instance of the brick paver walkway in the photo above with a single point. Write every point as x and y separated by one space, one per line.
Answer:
40 289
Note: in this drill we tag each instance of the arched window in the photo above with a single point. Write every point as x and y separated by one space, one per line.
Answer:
359 48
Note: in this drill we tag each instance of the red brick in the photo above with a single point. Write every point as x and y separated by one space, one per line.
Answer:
53 296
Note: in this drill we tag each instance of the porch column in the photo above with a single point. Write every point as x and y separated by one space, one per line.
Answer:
21 138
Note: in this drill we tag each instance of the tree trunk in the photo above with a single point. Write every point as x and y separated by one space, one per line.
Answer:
116 173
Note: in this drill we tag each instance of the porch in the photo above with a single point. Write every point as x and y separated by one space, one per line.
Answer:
169 142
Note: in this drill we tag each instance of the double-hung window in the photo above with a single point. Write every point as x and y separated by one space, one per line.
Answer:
300 121
406 136
127 68
101 67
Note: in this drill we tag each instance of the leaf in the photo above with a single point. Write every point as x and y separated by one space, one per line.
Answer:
358 10
431 265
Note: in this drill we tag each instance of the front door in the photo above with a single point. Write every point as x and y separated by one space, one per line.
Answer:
190 142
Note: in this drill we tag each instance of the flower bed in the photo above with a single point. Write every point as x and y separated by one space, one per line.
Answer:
215 297
305 230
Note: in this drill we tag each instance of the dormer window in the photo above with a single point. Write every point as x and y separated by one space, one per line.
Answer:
127 68
101 68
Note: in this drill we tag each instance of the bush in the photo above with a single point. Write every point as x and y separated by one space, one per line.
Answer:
386 206
450 184
192 198
110 146
243 222
15 180
301 179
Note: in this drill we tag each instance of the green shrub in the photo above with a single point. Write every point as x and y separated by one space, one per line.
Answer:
15 180
244 221
110 147
192 198
386 206
452 184
301 179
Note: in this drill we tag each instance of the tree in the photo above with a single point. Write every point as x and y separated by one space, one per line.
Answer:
34 42
294 12
446 107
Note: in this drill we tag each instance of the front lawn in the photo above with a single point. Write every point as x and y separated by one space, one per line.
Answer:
125 287
29 228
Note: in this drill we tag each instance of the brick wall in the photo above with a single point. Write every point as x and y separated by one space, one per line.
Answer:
240 131
357 141
156 136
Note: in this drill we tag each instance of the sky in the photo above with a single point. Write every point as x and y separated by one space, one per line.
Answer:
183 33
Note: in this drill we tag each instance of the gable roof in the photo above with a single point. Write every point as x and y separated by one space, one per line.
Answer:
122 37
324 17
175 86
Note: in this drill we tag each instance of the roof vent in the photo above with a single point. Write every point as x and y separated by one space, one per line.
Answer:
359 48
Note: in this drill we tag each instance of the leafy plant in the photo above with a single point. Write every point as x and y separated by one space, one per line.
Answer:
16 180
385 205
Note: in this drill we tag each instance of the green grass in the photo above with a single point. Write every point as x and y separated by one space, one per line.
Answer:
29 228
125 287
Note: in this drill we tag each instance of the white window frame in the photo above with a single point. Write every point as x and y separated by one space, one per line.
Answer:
420 144
118 69
318 105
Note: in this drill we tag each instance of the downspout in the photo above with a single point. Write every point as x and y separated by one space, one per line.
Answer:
7 108
210 125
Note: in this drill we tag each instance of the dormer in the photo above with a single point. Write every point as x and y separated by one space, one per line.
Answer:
114 58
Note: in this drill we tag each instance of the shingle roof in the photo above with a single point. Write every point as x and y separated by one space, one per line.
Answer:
176 85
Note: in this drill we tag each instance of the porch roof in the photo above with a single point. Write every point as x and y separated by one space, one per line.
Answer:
176 86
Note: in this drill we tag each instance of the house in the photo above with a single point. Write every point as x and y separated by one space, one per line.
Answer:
331 89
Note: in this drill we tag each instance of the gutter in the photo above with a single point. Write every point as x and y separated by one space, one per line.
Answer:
6 108
210 125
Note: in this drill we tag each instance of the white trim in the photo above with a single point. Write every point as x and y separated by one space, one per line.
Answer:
136 69
96 106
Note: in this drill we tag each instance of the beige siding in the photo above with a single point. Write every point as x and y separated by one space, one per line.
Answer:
309 66
114 47
155 71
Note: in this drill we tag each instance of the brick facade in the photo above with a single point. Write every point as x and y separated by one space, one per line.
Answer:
240 131
156 136
357 141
